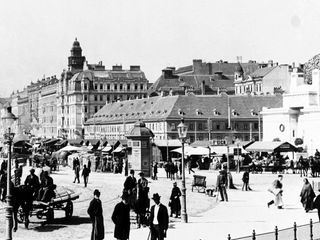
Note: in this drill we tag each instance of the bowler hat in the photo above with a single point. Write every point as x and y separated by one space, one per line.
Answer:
32 170
156 196
96 192
131 171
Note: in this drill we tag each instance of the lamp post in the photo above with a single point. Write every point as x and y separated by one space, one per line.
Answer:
182 131
8 120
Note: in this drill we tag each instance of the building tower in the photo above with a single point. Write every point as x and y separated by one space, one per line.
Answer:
76 60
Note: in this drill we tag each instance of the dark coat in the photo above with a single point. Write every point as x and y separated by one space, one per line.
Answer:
130 184
96 216
121 219
32 182
163 218
175 199
307 195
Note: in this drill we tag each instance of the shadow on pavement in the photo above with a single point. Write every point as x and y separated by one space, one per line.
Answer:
59 223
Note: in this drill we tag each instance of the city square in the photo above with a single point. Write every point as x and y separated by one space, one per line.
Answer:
163 119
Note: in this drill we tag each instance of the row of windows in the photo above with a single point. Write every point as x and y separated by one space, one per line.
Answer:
115 97
203 126
120 87
49 119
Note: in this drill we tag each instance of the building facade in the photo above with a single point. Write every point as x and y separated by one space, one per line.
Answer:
58 107
299 115
200 78
211 118
271 79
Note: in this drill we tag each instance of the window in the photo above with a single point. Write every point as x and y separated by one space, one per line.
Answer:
95 109
108 98
85 86
101 86
256 125
136 87
95 97
85 109
191 126
128 86
141 86
101 97
218 126
96 87
200 126
108 86
85 97
115 87
120 87
245 126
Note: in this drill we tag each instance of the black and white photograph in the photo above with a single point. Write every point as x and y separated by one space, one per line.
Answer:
160 120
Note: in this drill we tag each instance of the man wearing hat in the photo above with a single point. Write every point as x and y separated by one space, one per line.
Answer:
96 215
130 186
32 182
121 218
222 185
159 219
174 203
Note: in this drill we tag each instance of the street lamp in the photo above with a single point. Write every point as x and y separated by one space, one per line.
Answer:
8 120
182 131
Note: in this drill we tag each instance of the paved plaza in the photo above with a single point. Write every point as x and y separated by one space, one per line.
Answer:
208 219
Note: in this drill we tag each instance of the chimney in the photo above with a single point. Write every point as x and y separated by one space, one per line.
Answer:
117 68
270 63
135 68
197 65
203 88
167 73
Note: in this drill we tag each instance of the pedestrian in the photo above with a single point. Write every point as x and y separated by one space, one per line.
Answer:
155 171
174 202
32 183
222 185
130 186
189 164
96 216
307 195
85 174
159 219
143 202
276 190
166 168
121 218
316 205
76 168
245 180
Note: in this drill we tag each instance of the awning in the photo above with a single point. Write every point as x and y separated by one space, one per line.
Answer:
168 143
271 147
75 142
51 142
118 149
187 149
107 148
70 148
93 142
201 144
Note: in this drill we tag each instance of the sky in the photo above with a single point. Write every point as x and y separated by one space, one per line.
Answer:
36 36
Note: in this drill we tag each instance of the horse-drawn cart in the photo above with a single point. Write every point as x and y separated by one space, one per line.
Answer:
62 201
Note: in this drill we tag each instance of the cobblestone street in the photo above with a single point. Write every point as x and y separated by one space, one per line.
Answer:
207 218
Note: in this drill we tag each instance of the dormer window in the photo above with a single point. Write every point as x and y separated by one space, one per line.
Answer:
253 113
215 112
198 112
180 112
234 112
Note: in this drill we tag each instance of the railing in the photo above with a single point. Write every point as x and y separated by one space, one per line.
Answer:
309 231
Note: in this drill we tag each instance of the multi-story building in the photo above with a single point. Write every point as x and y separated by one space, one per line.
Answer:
201 78
208 117
48 108
267 80
83 90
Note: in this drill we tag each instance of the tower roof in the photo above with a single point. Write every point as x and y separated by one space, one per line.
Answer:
76 44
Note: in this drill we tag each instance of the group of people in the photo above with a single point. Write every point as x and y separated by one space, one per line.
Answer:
173 170
135 197
85 171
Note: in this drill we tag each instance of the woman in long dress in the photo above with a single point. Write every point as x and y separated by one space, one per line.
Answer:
307 195
96 216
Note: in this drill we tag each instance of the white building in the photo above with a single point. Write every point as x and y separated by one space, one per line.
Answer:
299 117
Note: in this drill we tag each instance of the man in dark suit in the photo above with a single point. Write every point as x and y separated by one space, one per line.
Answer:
159 219
222 185
121 218
130 187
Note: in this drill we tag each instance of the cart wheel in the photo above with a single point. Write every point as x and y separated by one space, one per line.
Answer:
69 209
20 215
50 214
39 214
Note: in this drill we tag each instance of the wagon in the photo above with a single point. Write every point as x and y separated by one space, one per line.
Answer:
62 201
